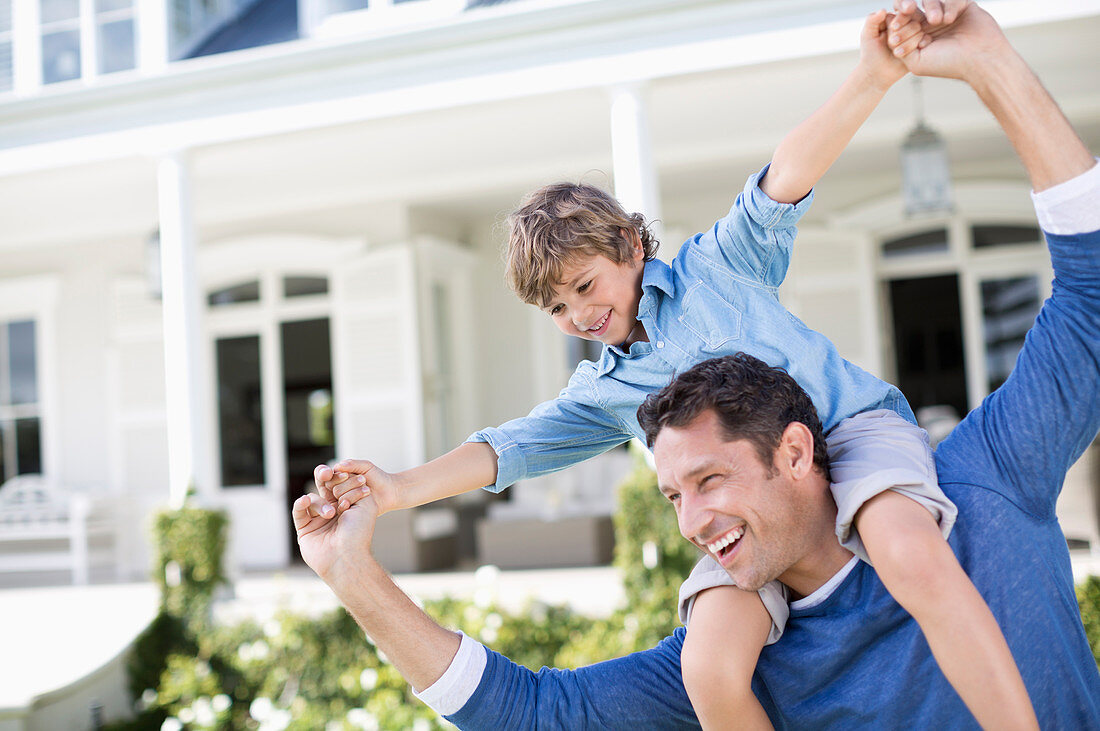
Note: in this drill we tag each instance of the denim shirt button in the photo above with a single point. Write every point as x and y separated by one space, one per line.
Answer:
660 343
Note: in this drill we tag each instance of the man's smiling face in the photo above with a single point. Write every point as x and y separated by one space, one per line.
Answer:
748 515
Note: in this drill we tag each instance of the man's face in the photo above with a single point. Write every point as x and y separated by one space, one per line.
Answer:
598 299
749 516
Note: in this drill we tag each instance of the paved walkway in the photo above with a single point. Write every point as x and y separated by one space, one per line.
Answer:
54 636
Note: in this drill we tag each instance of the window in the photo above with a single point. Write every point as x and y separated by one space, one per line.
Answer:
244 292
66 39
987 236
304 286
1009 307
926 242
6 78
20 421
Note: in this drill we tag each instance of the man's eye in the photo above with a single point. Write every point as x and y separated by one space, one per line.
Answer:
584 287
673 497
555 310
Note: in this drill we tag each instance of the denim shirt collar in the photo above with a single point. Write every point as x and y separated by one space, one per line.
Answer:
656 275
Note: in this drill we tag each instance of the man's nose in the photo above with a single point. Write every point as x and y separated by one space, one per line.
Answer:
694 517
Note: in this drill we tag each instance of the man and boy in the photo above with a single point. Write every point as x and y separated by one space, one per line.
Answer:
763 549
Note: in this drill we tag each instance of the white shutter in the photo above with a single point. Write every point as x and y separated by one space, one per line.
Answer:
376 362
138 428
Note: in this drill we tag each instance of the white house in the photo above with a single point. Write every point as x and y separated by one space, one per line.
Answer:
241 238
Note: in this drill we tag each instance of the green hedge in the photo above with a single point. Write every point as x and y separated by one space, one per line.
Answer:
309 673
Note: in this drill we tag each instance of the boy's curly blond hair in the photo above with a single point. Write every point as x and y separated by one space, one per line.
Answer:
559 223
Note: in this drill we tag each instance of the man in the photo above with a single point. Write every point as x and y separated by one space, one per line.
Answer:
851 655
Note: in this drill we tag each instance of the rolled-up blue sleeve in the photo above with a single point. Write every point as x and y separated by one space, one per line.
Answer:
755 239
556 434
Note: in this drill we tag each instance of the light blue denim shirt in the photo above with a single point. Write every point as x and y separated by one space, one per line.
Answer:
719 297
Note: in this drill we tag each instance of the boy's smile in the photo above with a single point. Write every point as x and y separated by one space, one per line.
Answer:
597 299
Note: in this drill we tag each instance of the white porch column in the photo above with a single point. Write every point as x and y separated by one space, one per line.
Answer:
635 174
182 313
152 35
27 47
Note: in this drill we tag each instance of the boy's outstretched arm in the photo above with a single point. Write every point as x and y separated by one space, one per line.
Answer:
812 147
920 571
727 631
466 468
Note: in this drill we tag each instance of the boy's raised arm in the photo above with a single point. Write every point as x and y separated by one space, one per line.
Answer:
804 155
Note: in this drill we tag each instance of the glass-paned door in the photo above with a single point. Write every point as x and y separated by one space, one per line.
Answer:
20 420
928 341
240 411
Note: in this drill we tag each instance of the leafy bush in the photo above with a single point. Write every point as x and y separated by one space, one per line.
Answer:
1088 598
189 544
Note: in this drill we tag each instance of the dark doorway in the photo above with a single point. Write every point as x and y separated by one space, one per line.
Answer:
928 341
307 395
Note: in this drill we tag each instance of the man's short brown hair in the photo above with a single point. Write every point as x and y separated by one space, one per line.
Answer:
558 223
752 400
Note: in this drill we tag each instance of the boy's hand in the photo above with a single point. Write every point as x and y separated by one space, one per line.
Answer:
350 480
876 55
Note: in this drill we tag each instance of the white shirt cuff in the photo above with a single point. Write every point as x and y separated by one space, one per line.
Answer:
449 694
1072 207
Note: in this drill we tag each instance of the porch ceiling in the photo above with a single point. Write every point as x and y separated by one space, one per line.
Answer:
472 162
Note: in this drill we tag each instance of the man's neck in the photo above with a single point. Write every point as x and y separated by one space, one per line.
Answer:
821 560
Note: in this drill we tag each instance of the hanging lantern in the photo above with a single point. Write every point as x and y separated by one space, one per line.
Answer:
925 171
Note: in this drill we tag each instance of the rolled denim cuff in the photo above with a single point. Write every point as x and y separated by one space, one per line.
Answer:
770 213
1071 207
511 464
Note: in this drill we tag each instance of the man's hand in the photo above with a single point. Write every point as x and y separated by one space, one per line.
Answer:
959 38
350 480
333 545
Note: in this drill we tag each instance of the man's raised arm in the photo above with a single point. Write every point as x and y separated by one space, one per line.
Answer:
1045 415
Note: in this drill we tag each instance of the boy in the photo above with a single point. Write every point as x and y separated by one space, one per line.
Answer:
574 253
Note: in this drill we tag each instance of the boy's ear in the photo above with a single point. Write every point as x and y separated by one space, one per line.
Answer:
636 250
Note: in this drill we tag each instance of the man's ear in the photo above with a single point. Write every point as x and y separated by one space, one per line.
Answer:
796 450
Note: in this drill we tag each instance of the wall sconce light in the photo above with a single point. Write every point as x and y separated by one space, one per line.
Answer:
925 171
152 265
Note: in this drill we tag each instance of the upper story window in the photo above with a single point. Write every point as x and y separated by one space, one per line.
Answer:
82 40
344 17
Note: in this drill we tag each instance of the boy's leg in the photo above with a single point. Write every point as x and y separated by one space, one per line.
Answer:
876 451
728 629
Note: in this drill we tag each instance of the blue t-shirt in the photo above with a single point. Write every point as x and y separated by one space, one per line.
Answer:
857 659
719 297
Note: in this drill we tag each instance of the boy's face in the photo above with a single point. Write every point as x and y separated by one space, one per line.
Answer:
598 299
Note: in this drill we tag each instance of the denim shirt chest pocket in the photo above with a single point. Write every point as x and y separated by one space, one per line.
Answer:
710 317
